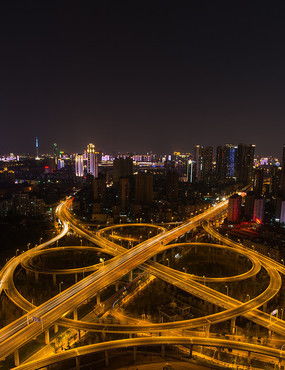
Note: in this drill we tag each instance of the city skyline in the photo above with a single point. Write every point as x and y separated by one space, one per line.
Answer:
142 185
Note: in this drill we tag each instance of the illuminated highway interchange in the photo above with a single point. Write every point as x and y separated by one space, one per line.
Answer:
141 264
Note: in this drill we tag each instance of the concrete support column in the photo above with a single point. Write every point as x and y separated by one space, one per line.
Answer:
37 276
54 279
135 354
131 276
219 353
106 359
207 330
154 258
191 351
77 363
233 325
75 314
117 286
162 350
249 358
16 358
55 328
98 298
76 280
264 307
47 336
130 335
164 256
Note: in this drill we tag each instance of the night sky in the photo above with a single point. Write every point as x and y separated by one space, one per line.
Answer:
141 75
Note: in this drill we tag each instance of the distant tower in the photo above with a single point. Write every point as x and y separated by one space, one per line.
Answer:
198 163
79 169
92 160
56 152
37 148
190 170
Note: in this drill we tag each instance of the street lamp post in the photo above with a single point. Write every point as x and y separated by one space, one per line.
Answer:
227 289
59 286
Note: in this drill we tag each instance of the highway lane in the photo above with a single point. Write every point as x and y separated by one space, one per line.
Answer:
153 341
239 247
19 332
8 270
27 261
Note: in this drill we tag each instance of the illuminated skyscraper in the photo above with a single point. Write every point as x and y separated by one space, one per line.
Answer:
92 160
37 148
258 210
60 164
282 212
190 170
226 161
197 162
282 179
234 208
203 157
79 169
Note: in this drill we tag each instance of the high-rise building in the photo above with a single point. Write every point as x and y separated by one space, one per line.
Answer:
143 188
258 182
203 162
92 160
282 213
122 167
207 163
60 164
234 208
245 160
99 188
189 170
282 179
226 161
258 210
56 152
79 167
249 204
172 185
197 163
37 148
124 192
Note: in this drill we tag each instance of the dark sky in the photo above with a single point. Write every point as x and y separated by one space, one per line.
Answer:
142 75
